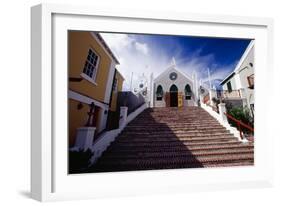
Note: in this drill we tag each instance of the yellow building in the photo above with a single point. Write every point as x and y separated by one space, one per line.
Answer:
93 79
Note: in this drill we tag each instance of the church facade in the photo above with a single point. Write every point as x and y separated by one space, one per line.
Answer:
173 88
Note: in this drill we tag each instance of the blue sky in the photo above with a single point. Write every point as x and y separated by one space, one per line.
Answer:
144 54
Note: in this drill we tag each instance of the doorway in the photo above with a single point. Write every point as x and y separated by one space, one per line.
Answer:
174 96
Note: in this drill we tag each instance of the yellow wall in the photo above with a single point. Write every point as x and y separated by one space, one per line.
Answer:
79 44
120 81
77 118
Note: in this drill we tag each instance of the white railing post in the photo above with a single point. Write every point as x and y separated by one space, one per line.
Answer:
242 93
123 117
85 137
222 111
211 95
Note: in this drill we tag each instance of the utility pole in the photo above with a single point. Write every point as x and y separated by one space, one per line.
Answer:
131 81
209 77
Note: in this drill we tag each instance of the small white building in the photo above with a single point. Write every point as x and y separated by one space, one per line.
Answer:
239 84
173 88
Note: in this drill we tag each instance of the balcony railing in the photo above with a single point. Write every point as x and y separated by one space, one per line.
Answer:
227 94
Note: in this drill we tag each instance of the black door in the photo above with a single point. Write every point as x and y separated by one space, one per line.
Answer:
173 96
173 99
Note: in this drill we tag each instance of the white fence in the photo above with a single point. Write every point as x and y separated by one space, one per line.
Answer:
222 119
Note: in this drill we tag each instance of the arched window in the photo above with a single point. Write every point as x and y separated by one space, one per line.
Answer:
159 93
187 92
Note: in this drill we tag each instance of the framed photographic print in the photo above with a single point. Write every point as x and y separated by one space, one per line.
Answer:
138 102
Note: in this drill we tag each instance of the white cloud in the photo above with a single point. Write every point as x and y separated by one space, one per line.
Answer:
116 41
135 56
141 58
142 48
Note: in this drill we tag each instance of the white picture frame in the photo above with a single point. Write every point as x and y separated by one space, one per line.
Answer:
49 179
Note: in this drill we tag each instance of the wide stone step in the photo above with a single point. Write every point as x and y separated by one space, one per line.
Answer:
174 143
170 127
180 162
186 131
177 146
111 168
176 116
171 135
173 124
174 139
191 147
183 120
176 154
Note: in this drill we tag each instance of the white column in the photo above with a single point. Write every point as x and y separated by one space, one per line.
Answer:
85 137
222 111
243 93
123 117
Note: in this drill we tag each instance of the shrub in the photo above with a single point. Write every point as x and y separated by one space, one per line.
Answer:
79 160
242 114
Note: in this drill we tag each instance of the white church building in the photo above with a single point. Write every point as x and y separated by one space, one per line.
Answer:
173 88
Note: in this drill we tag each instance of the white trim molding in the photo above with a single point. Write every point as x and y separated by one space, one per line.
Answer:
87 100
86 77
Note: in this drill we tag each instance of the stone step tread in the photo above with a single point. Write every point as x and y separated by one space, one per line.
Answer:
169 127
175 135
187 137
164 140
203 165
148 154
178 131
183 147
172 135
174 143
180 160
185 120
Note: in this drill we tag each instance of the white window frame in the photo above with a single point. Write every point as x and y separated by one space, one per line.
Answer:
91 79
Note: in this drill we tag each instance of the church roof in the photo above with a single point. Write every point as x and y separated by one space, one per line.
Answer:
169 69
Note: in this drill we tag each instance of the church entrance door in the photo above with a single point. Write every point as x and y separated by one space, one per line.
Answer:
174 96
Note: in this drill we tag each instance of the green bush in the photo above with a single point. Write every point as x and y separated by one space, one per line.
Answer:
79 160
242 114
